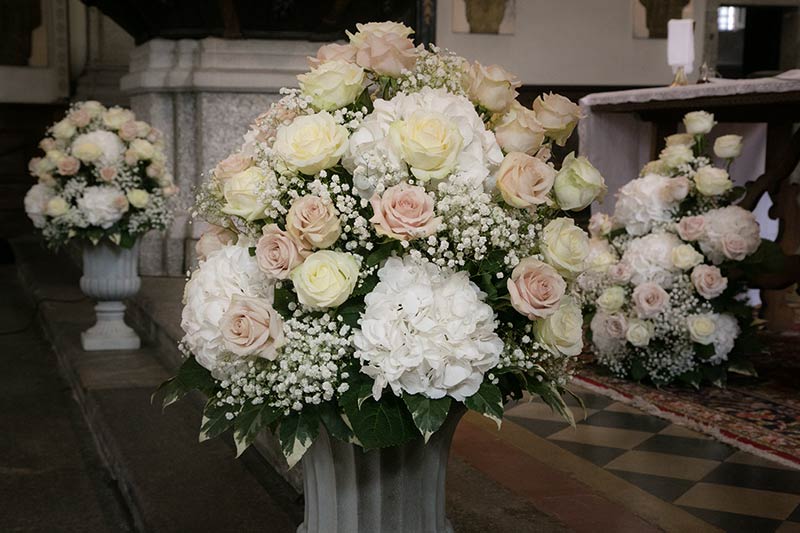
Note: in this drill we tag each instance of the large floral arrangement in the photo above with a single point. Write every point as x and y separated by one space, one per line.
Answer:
103 176
386 245
666 283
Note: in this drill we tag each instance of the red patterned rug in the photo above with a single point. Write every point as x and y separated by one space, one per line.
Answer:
760 415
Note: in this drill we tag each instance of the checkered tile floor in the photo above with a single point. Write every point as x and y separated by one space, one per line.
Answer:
731 489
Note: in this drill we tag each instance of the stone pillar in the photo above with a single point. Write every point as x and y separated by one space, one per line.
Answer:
203 94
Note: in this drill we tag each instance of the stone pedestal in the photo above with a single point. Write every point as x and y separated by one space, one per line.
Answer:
203 94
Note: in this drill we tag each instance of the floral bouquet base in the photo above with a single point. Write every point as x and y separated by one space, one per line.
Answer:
110 332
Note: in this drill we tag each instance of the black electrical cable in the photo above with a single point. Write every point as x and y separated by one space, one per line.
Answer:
35 311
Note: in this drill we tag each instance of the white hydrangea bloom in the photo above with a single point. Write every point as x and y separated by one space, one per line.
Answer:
36 203
111 146
103 205
729 230
650 259
425 330
641 203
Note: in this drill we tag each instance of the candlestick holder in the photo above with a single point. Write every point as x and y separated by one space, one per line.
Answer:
680 78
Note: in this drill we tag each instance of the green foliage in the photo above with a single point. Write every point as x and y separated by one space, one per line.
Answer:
377 424
250 421
296 434
214 423
488 401
334 423
283 297
428 414
191 376
551 395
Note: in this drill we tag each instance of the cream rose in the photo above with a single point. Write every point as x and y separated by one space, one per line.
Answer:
563 330
325 279
241 194
138 198
115 117
685 139
558 116
404 212
93 107
611 299
685 257
657 167
69 166
535 288
215 238
701 328
277 253
87 151
639 332
250 326
649 299
709 281
492 86
525 181
56 207
676 189
600 225
676 155
565 246
518 130
233 164
311 142
333 52
63 129
691 228
698 122
728 146
429 142
578 183
313 222
143 149
333 84
712 181
384 47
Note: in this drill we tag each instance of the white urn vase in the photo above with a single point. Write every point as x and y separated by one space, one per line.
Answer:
402 488
110 275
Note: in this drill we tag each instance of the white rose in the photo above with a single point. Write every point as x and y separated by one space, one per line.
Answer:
565 247
698 122
492 86
103 205
558 115
702 328
115 117
728 146
241 194
685 139
429 142
639 332
333 84
57 206
612 299
325 279
676 155
139 198
311 142
686 257
519 131
578 183
143 149
63 129
601 256
563 330
712 181
36 200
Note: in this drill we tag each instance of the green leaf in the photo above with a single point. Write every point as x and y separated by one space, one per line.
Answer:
382 252
743 367
378 424
252 251
351 311
191 376
550 394
282 298
488 401
127 240
638 371
334 423
363 100
297 433
367 286
214 423
428 414
249 423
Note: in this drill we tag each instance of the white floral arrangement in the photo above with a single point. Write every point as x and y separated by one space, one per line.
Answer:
666 285
103 175
386 247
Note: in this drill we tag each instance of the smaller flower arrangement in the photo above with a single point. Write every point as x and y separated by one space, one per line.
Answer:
103 175
668 271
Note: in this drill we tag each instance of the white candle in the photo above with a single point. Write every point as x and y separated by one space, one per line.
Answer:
680 44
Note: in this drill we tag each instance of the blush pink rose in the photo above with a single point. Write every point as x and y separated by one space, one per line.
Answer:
386 54
170 190
676 189
709 281
524 181
68 166
650 299
691 228
251 326
600 225
404 212
620 272
129 131
277 253
233 164
313 222
616 325
333 52
108 173
735 247
212 240
535 288
155 135
79 117
155 170
48 144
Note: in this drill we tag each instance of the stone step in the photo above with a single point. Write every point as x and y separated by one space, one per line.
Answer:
169 480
